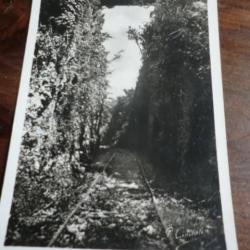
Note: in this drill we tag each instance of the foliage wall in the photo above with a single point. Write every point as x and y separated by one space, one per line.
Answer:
65 112
172 118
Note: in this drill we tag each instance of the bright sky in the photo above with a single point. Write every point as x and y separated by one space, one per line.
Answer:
124 70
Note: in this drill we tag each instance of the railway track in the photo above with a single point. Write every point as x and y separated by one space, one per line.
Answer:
78 205
123 192
193 243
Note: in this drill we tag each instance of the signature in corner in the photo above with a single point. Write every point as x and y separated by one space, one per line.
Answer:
183 233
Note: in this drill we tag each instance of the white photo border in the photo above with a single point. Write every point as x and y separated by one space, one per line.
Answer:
219 117
220 127
17 130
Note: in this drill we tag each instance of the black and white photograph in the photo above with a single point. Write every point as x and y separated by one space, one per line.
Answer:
118 145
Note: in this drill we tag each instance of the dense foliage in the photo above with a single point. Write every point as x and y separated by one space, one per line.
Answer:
172 118
65 112
119 122
165 125
112 3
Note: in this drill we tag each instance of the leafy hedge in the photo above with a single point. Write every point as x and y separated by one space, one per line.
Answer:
172 118
65 113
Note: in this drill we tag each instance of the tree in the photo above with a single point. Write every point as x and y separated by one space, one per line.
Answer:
65 115
172 118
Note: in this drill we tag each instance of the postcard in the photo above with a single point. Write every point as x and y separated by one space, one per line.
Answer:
119 135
